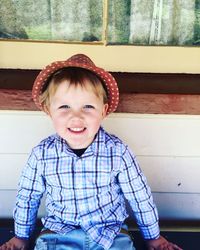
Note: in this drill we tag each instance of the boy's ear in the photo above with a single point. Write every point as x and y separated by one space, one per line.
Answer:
105 110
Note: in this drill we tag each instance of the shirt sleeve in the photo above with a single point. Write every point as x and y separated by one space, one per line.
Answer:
31 189
136 190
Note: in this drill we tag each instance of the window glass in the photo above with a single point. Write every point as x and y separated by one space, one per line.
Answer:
128 22
65 20
154 22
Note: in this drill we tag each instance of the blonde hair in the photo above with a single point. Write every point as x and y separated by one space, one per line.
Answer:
74 76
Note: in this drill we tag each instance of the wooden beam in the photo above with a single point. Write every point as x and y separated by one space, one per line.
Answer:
155 83
129 102
16 100
150 93
160 104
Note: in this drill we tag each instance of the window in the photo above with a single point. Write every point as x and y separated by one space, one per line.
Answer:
154 22
52 20
111 22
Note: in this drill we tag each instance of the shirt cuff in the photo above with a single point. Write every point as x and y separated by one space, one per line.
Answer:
21 238
153 238
150 232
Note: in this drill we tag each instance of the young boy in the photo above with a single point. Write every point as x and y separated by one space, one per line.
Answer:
85 172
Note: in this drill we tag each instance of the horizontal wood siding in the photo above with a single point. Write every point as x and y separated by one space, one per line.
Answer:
166 146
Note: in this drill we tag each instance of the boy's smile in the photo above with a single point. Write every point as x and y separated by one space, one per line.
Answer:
77 112
77 130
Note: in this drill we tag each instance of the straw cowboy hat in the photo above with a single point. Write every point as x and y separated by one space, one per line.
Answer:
80 61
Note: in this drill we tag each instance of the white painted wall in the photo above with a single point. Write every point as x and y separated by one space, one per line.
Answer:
167 148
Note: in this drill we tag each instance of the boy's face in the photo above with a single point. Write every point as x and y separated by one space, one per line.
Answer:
77 114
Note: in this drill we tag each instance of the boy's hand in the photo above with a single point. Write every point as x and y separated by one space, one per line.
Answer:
161 244
15 244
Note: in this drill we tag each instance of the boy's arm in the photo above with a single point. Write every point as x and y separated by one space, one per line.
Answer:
161 244
138 193
31 189
15 244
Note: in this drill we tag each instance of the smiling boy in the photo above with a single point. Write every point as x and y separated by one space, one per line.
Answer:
78 119
85 172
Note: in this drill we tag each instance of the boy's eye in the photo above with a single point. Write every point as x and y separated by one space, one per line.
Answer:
64 107
88 107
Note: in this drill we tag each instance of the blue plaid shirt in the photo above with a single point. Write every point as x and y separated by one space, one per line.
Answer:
87 191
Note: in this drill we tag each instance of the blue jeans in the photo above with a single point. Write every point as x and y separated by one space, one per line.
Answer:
79 240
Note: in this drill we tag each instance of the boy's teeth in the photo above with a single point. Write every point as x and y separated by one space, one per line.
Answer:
77 129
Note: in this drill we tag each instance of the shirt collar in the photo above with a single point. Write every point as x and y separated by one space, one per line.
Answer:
101 142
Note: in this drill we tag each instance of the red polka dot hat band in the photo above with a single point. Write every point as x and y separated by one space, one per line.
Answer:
80 61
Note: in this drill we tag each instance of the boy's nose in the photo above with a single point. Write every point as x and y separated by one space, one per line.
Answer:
77 115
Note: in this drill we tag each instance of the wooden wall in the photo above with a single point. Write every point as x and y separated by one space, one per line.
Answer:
167 148
158 116
143 93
